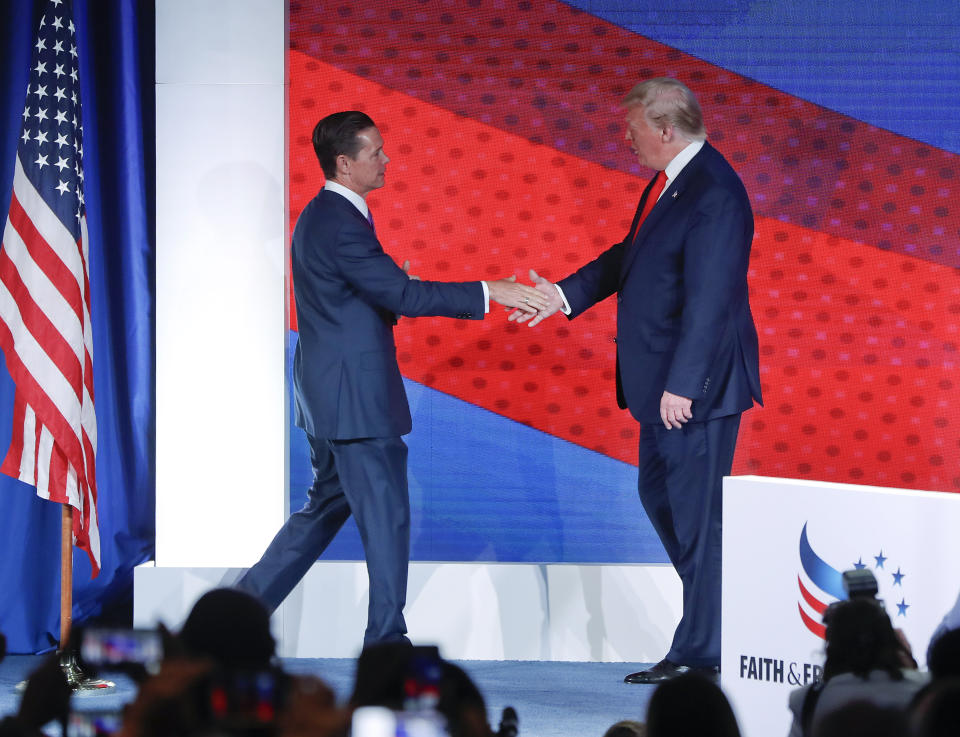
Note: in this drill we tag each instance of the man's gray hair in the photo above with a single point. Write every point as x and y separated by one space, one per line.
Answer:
667 101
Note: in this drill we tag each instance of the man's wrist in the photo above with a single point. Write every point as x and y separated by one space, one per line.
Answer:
565 308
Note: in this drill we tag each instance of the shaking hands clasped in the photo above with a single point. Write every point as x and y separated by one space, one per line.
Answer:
523 300
527 301
552 302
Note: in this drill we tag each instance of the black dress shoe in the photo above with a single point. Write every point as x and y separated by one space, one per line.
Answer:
662 671
665 670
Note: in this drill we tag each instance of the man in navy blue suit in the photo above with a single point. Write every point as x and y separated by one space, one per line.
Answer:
349 394
687 350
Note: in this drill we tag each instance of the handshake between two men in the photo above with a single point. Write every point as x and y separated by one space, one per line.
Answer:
527 304
684 332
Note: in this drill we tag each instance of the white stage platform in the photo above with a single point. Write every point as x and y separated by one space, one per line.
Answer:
473 611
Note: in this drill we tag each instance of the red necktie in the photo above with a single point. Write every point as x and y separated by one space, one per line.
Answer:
659 182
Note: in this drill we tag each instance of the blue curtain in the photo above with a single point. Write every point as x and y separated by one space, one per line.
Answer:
115 43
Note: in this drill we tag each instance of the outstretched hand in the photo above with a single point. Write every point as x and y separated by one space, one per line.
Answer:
549 292
508 293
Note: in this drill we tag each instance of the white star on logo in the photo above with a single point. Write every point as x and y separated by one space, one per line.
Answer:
26 112
41 113
61 116
73 51
26 136
56 2
60 94
73 97
63 187
73 74
62 163
41 161
58 47
57 23
40 45
70 26
59 71
62 140
41 137
40 68
41 91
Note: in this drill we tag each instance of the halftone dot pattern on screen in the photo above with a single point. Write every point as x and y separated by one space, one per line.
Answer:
555 75
858 344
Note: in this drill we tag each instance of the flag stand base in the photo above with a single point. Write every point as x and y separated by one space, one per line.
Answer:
80 681
76 678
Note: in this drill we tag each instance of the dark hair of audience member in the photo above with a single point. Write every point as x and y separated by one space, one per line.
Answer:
690 706
944 658
626 728
231 628
862 719
860 639
936 710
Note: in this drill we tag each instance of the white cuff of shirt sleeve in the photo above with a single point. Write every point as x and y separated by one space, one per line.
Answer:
566 305
486 297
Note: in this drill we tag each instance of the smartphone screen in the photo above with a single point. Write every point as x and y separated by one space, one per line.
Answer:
378 721
105 648
246 699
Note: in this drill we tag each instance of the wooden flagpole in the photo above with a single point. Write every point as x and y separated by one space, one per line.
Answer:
66 574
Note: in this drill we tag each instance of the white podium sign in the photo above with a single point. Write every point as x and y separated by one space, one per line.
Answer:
785 546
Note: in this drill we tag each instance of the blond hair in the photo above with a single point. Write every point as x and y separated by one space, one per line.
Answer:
669 102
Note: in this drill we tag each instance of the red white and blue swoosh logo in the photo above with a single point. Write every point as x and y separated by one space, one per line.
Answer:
821 584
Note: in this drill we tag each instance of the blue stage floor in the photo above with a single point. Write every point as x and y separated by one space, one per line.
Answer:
553 699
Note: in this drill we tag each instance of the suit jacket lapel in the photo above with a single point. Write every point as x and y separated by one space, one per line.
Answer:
671 194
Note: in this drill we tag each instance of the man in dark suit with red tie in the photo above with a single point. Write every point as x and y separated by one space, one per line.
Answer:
687 349
349 393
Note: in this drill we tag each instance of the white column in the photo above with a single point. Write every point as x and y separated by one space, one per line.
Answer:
221 262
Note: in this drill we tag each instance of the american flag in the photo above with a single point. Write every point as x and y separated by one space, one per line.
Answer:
45 330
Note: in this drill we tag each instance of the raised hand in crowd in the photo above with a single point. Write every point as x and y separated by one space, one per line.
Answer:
46 697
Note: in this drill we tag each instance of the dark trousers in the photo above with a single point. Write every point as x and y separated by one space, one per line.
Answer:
365 477
680 483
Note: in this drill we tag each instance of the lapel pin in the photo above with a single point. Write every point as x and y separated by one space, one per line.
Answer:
674 195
